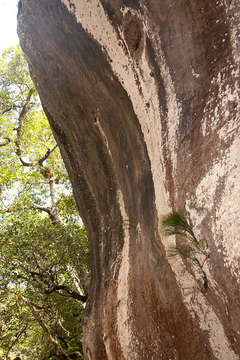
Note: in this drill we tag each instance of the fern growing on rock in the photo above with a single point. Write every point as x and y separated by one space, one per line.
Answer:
175 223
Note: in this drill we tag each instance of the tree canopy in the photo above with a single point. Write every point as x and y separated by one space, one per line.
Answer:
44 258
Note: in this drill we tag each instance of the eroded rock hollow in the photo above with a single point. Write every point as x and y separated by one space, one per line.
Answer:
143 99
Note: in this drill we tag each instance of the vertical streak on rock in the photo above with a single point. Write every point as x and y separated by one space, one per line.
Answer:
123 313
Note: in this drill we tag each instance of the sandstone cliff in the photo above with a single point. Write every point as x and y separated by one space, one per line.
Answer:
143 98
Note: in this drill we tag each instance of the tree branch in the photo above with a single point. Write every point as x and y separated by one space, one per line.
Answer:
52 212
6 142
41 323
71 293
48 152
41 208
56 288
19 129
9 109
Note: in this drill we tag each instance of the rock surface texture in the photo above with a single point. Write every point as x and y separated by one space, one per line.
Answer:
143 99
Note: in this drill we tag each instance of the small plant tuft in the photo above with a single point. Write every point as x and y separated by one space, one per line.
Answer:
175 223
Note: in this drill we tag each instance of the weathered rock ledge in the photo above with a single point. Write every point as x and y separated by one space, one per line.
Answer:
143 99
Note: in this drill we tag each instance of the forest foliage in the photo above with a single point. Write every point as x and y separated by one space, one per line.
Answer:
44 259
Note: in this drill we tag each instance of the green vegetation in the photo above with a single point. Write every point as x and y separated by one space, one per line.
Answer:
189 247
44 259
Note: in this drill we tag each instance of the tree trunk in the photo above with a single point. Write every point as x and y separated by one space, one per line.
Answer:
143 99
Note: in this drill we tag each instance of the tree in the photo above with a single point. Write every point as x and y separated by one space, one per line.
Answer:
43 246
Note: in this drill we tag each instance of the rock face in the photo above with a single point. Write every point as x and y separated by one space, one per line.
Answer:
143 99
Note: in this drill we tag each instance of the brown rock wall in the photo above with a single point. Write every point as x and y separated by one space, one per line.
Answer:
143 99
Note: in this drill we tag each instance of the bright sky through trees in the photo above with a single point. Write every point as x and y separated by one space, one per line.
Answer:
8 23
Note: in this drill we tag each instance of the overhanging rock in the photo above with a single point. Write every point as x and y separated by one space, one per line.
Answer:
143 99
